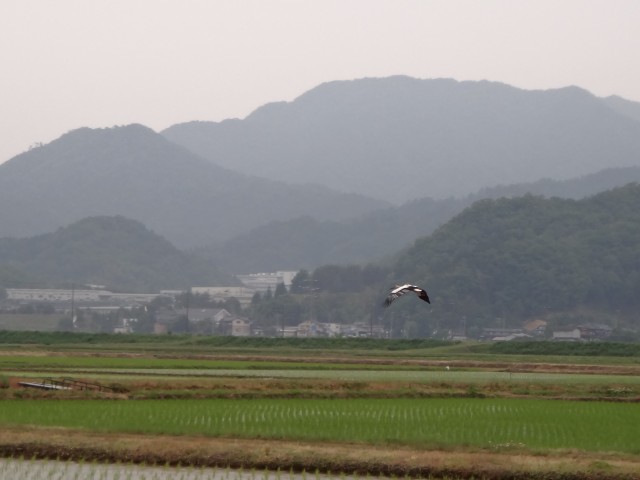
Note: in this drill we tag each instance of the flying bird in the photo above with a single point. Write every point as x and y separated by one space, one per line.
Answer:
400 290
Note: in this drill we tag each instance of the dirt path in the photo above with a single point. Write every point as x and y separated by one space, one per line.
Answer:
64 444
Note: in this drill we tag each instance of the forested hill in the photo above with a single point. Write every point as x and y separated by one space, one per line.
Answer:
309 243
501 261
113 251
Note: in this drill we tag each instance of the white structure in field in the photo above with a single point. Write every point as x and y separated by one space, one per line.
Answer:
261 282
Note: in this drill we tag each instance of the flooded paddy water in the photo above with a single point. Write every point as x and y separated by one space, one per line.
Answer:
14 469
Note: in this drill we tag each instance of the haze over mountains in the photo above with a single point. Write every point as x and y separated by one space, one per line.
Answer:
498 262
308 243
135 172
401 138
311 182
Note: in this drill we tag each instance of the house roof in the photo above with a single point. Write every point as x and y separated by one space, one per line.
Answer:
535 324
196 314
595 326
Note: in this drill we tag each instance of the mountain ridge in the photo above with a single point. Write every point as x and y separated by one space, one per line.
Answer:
307 243
400 138
134 171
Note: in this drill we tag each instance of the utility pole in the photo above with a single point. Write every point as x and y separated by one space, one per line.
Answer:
187 307
73 308
371 315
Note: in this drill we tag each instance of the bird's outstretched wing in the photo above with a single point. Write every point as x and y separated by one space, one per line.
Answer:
392 296
400 290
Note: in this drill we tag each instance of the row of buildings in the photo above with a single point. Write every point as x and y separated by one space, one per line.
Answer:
98 295
221 322
538 328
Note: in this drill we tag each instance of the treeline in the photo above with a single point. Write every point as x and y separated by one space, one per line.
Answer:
498 263
308 243
15 337
338 278
329 294
72 338
592 349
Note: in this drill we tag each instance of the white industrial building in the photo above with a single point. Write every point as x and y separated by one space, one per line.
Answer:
56 295
261 282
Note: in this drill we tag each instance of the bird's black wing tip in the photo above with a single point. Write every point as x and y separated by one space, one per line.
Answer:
424 296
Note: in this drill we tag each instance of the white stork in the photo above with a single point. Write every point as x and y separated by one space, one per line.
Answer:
400 290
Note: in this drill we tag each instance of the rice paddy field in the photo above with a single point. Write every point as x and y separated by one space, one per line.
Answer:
256 414
436 423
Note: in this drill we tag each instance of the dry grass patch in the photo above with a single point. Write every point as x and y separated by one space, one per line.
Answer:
64 444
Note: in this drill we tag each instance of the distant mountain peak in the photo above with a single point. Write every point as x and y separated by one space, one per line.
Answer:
399 138
133 171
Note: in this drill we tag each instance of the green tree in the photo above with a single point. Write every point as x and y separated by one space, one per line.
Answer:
256 298
280 290
268 295
299 281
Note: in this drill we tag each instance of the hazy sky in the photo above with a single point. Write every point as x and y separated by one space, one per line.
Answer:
73 63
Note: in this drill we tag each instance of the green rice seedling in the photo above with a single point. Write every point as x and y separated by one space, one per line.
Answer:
534 424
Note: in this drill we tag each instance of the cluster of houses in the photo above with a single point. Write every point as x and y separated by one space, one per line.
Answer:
97 299
538 328
206 321
219 321
212 321
98 295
